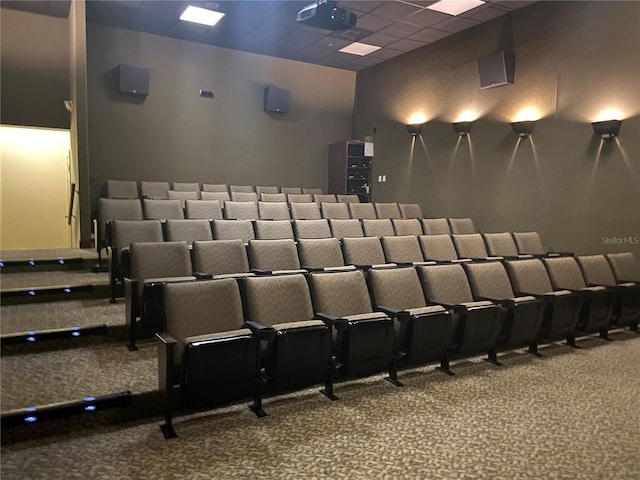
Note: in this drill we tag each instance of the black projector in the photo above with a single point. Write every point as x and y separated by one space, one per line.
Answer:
326 14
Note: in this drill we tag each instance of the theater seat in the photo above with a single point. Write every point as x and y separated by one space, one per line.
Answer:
206 355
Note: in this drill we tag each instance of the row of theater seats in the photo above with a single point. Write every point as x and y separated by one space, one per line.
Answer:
226 336
160 190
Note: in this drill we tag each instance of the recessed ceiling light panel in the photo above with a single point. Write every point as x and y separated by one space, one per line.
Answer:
201 16
357 48
455 7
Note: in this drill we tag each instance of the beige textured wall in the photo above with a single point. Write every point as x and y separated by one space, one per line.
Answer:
573 60
175 135
35 69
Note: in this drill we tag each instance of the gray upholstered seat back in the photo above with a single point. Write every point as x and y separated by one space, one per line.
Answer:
299 198
437 247
186 187
273 254
320 252
403 249
407 226
182 196
529 243
162 209
215 187
241 210
119 209
273 197
274 211
489 279
363 251
122 189
160 259
199 308
341 294
220 196
436 226
397 288
348 198
335 210
241 188
244 196
470 245
260 189
501 244
321 198
462 225
410 210
379 227
387 210
278 299
156 190
625 266
446 284
564 273
529 276
346 228
293 190
313 191
188 230
220 257
312 228
305 211
362 210
233 229
125 232
203 209
273 229
596 270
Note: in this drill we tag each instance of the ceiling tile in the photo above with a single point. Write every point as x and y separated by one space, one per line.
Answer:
456 24
379 39
373 22
401 29
483 13
385 53
427 18
360 5
405 45
511 4
366 61
396 10
429 35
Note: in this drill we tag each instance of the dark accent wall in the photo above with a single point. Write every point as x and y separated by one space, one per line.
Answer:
175 135
573 60
35 69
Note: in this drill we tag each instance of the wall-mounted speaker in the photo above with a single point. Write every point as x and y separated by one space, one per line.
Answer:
276 99
133 80
496 69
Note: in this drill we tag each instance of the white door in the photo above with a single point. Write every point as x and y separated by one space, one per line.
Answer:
34 188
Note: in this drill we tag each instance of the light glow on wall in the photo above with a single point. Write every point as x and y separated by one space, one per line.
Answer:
467 116
417 118
528 114
609 114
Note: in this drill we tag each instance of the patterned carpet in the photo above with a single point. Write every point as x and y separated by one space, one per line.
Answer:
570 415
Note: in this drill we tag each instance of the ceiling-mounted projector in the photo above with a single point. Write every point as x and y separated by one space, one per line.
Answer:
326 14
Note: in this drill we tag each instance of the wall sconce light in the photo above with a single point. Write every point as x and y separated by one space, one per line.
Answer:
522 129
462 128
415 129
607 129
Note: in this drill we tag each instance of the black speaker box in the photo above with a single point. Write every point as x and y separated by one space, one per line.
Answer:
496 69
134 80
276 99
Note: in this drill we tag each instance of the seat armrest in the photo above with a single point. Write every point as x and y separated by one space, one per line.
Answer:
259 330
339 323
166 366
165 338
259 271
313 269
202 275
401 315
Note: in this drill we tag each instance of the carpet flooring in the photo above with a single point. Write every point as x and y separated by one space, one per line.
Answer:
570 415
